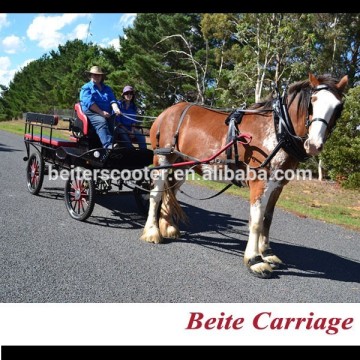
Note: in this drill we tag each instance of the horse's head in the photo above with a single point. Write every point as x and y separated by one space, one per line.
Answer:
324 109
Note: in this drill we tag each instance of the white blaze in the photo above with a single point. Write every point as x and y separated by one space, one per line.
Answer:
323 108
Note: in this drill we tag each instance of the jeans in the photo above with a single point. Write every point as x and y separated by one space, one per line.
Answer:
140 139
124 139
104 127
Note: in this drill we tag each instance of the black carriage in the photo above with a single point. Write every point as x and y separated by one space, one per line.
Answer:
83 157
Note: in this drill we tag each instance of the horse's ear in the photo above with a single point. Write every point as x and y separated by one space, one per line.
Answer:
342 83
313 80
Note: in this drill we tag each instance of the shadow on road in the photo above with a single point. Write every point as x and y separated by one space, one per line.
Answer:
223 232
310 262
54 193
226 229
205 228
4 147
125 213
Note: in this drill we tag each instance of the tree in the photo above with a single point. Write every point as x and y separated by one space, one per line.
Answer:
218 30
68 67
341 155
337 48
167 58
52 81
271 47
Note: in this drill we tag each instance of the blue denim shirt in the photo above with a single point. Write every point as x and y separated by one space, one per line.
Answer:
90 94
131 112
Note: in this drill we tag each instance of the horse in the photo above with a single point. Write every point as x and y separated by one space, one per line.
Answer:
273 135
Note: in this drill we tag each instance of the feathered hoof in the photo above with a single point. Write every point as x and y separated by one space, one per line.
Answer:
171 233
168 231
151 235
269 257
259 268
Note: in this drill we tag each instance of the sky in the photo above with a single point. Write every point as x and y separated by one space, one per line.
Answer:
25 37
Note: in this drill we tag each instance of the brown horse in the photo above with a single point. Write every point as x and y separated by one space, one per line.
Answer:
268 138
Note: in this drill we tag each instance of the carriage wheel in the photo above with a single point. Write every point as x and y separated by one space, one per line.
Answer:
79 195
35 172
142 197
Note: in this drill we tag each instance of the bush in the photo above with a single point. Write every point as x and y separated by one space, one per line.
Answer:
352 182
341 156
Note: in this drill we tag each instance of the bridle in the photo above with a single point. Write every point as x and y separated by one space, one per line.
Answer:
336 113
285 132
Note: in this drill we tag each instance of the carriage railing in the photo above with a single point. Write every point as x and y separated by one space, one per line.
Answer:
36 125
35 121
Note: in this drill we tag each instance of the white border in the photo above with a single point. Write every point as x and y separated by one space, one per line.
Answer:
165 324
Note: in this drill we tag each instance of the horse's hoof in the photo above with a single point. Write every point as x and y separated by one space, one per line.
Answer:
269 257
259 268
169 232
151 236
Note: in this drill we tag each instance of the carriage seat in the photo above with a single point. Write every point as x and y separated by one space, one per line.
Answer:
52 141
81 120
82 129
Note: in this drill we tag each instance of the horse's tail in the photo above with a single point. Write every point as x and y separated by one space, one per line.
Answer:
170 201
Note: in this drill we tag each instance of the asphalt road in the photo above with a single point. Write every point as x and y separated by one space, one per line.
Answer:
46 256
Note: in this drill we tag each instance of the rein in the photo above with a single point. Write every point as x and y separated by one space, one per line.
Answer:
209 197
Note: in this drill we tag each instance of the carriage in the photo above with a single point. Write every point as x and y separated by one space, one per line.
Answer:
274 135
83 159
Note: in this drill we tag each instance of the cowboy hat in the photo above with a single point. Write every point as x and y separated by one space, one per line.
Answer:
96 70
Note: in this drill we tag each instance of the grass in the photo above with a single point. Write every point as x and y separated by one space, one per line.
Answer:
322 200
18 127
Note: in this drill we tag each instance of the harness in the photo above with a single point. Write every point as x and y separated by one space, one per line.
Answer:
176 135
285 133
233 121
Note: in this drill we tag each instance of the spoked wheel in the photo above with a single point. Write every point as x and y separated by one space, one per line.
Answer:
79 195
142 195
35 172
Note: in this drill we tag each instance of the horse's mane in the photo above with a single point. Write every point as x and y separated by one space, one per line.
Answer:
301 88
264 104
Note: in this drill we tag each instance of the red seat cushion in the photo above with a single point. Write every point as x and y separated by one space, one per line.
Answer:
54 141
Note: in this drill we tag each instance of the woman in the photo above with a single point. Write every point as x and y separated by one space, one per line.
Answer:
127 130
98 102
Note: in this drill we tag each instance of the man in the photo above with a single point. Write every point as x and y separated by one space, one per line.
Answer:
98 102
